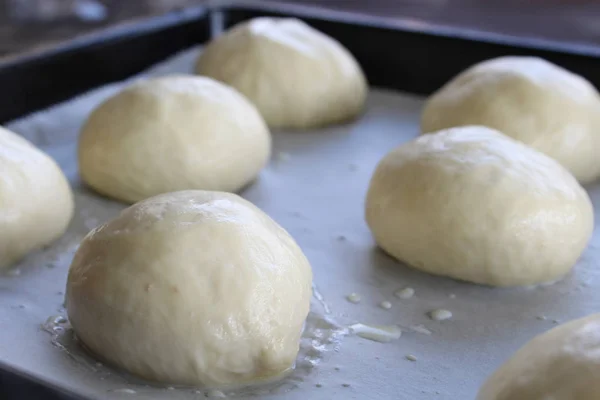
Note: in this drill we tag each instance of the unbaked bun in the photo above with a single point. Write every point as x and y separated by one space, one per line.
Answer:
172 133
297 77
528 99
476 205
36 203
561 364
192 287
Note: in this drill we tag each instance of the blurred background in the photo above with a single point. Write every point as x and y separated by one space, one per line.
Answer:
28 24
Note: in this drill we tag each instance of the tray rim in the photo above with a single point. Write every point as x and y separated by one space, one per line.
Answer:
42 70
128 29
9 369
412 25
144 25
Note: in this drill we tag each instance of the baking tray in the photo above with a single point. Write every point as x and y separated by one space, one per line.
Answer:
330 168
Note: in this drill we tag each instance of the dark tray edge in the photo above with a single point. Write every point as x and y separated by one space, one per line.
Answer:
132 28
46 76
414 56
412 25
30 386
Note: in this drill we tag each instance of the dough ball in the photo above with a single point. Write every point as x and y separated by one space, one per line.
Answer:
193 288
297 77
172 133
561 364
473 204
528 99
36 203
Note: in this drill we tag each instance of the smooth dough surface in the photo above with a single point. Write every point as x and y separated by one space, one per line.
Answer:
476 205
36 203
192 287
561 364
531 100
297 77
172 133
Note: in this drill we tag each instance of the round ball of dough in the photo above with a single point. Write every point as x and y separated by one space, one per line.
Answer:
561 364
191 287
297 77
36 203
528 99
172 133
473 204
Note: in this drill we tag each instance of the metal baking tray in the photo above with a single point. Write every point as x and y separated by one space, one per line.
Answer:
403 60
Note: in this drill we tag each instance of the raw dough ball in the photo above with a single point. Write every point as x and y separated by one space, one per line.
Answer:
296 76
36 203
561 364
528 99
191 287
473 204
173 133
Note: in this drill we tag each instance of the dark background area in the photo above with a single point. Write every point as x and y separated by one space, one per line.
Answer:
29 24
